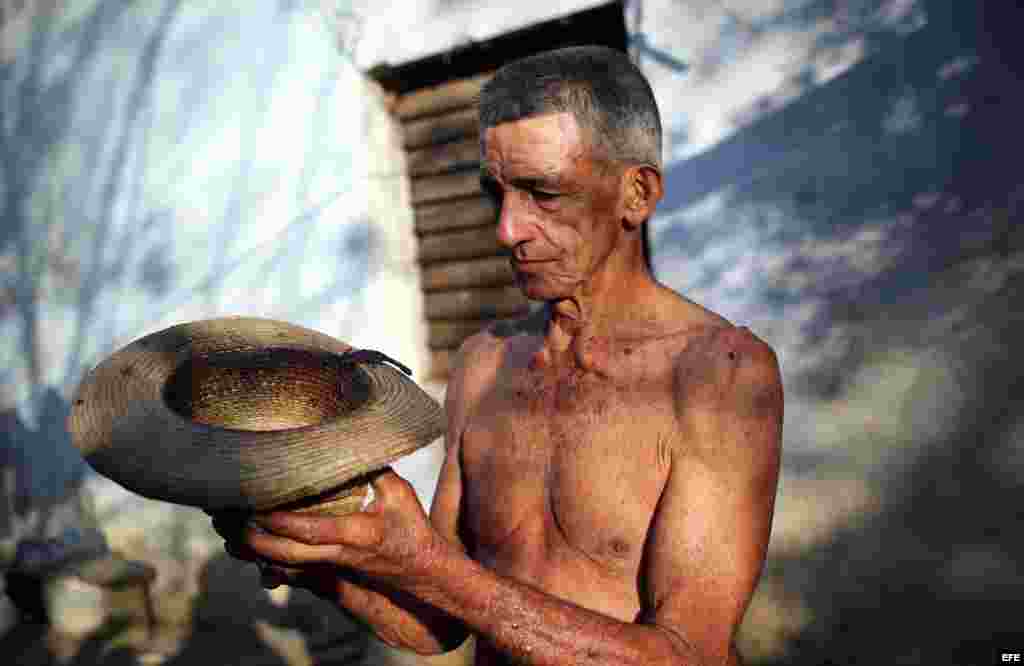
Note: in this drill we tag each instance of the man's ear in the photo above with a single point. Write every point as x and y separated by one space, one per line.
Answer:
642 190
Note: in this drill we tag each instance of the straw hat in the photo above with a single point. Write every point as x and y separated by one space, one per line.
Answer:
250 414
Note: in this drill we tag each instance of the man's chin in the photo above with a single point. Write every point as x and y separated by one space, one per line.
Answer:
536 288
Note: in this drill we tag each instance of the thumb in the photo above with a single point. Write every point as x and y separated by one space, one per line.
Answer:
390 490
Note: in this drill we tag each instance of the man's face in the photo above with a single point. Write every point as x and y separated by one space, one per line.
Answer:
558 206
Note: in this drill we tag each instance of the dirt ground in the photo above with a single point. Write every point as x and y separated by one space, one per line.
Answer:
229 620
217 613
858 573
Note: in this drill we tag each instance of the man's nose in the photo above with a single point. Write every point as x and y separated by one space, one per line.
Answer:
512 228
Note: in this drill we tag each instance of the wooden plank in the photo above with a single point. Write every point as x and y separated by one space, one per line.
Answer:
450 333
472 243
438 99
486 272
445 186
459 214
440 158
441 129
486 303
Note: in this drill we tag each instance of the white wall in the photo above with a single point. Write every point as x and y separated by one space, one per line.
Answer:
178 161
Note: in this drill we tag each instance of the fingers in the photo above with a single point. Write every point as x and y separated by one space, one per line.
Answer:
252 543
284 550
275 570
271 575
355 530
393 523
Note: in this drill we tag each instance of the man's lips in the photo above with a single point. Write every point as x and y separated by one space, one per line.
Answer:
517 262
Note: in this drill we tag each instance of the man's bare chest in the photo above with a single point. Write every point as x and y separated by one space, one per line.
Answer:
566 464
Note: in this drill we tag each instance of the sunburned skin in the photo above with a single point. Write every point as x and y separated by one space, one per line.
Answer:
610 462
564 460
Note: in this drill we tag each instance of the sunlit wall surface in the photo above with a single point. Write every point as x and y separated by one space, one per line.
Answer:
832 184
165 161
168 161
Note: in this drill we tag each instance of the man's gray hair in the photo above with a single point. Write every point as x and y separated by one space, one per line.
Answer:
601 87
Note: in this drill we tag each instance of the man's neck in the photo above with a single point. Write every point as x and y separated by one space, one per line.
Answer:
573 324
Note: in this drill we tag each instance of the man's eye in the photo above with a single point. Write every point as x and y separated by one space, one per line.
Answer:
540 195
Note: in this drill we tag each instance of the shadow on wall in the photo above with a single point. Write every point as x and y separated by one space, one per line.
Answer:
63 198
870 231
932 572
109 109
870 150
114 115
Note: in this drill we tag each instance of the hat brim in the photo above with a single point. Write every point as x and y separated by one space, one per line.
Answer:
155 418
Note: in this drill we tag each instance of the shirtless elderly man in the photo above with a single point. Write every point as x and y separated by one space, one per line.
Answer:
611 463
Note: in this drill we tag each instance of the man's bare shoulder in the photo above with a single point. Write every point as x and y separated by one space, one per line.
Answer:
485 347
474 360
716 362
727 377
480 356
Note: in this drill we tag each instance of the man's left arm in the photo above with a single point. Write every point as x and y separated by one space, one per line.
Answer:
709 537
705 550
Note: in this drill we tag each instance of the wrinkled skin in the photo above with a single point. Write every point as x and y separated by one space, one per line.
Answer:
611 465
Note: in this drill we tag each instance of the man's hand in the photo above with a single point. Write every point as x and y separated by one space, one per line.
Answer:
390 541
369 563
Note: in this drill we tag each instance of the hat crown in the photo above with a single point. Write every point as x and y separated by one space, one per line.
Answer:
276 388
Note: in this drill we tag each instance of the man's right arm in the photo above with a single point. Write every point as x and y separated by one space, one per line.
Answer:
447 510
399 619
464 387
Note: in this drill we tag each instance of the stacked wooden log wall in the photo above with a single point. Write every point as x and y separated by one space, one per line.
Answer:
466 282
